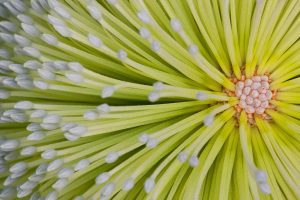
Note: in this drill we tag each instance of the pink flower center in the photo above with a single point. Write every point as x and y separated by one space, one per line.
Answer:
254 95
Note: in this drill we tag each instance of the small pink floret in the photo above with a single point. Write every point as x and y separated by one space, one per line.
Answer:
250 109
259 110
246 90
248 82
254 93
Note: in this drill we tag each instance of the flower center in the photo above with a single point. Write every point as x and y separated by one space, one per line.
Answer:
254 96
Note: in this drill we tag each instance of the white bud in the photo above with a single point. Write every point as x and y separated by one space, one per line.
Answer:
176 25
78 130
108 189
201 96
62 12
28 185
194 161
153 96
158 86
75 78
82 164
33 127
28 151
45 4
52 119
94 12
144 33
19 117
103 108
9 26
60 184
144 17
112 157
55 21
7 192
107 91
17 68
193 49
27 84
265 188
49 39
4 64
91 115
6 37
155 45
152 143
9 145
18 5
60 65
71 137
4 53
4 94
32 64
18 167
66 127
49 154
25 19
22 41
41 84
182 157
149 185
54 165
63 30
49 65
103 177
30 30
33 52
75 66
41 169
144 138
122 55
128 185
37 7
9 181
11 111
5 119
49 126
24 81
24 105
261 176
208 120
23 193
36 136
24 76
11 156
38 114
65 173
94 40
36 178
53 3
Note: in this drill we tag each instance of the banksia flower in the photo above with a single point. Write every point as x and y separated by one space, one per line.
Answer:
134 99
